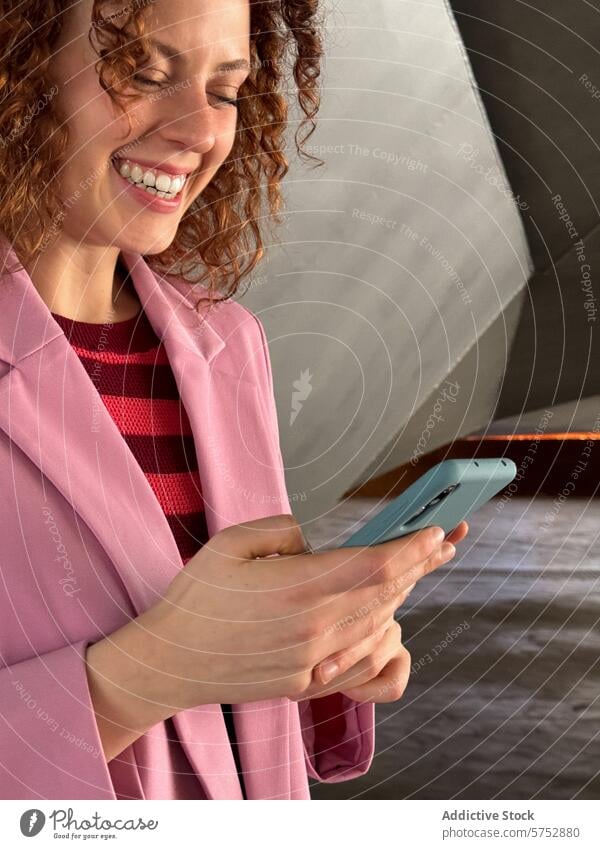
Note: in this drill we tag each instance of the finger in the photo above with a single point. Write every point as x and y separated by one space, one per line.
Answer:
388 686
264 537
338 662
358 614
367 667
334 665
458 533
343 569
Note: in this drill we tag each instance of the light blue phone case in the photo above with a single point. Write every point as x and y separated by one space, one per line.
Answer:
443 496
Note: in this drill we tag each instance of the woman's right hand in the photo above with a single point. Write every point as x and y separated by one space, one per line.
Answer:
232 628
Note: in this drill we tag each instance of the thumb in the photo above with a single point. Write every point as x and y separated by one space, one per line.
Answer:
266 537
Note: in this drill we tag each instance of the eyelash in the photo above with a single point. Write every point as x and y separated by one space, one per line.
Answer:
234 101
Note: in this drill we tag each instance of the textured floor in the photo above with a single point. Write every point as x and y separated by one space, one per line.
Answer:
510 706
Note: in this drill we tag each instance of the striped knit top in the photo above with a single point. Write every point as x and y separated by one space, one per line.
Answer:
129 367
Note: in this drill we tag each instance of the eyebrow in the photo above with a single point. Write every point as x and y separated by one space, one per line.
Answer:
170 52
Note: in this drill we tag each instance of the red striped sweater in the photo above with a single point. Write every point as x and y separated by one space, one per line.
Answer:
129 367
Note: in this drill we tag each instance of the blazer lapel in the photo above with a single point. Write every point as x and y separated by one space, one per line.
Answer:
51 409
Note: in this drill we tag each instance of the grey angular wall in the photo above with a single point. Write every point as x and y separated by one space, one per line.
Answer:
399 259
537 67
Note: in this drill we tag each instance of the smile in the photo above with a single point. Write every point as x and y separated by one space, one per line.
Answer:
154 182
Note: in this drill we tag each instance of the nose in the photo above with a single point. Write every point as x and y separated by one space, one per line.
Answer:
188 121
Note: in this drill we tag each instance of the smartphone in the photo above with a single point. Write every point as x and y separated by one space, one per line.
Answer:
443 496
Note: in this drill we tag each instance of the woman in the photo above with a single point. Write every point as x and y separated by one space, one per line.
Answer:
141 658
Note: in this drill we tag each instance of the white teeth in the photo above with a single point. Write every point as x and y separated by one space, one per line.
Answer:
164 184
155 182
146 177
151 190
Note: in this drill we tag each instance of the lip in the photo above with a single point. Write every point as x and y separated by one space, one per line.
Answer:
156 166
152 202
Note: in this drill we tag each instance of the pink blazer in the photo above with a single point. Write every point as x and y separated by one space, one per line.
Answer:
85 546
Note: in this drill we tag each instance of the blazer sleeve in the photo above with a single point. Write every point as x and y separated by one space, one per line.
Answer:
338 733
50 747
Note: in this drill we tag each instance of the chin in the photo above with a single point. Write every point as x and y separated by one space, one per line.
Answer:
141 243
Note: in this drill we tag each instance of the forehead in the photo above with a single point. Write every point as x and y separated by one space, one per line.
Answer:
198 29
218 27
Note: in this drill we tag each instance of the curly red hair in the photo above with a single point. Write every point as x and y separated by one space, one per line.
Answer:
222 230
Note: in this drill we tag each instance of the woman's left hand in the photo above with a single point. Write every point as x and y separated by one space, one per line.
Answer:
378 668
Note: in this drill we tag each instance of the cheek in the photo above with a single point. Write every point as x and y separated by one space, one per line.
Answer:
214 160
225 140
95 126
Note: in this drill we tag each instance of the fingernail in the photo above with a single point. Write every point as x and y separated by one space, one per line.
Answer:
328 671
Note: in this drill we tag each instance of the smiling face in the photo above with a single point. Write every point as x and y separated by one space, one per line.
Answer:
182 129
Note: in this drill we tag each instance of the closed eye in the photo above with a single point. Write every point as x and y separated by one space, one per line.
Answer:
148 81
152 83
232 101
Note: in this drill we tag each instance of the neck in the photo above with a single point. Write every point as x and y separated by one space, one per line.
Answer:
84 282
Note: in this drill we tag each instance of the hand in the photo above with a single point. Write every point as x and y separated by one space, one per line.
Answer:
234 628
376 669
